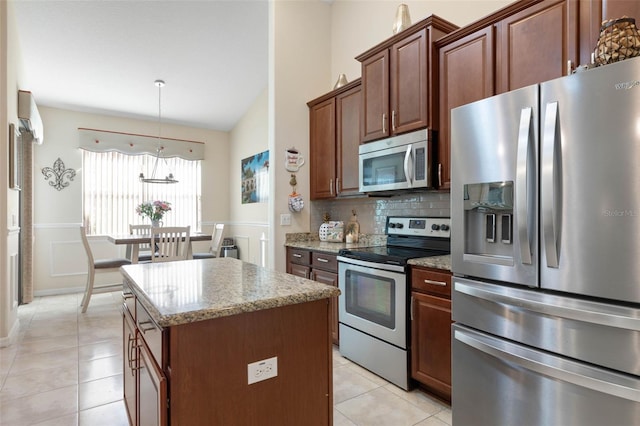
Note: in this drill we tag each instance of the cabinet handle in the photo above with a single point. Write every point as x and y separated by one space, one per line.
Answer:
384 123
331 186
337 186
440 283
439 174
319 259
297 255
393 120
145 329
569 67
411 308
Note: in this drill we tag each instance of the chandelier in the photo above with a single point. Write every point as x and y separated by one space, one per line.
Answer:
153 179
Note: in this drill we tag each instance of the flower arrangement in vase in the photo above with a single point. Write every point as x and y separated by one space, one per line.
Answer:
154 210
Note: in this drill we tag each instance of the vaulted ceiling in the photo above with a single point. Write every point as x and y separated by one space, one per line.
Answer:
104 56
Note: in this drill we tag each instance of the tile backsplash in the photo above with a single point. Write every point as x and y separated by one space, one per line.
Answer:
373 211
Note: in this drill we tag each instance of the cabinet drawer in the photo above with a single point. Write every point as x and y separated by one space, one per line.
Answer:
150 332
299 256
328 262
128 298
431 281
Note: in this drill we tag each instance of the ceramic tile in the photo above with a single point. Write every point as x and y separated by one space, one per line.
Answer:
35 346
113 414
100 350
100 368
419 399
38 381
50 330
99 392
68 420
339 419
55 359
40 407
348 384
445 416
88 335
381 407
432 421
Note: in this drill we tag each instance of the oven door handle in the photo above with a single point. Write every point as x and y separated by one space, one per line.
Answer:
374 265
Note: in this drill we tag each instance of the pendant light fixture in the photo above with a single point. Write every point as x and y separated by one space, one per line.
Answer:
153 179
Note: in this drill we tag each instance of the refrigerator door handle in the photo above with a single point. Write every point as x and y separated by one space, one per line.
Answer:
550 191
584 311
522 193
551 366
408 166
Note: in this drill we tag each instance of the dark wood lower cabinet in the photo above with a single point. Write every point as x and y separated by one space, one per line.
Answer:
431 350
431 330
152 409
130 367
321 267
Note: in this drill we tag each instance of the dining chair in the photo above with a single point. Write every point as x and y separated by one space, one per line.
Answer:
216 242
101 265
170 243
144 250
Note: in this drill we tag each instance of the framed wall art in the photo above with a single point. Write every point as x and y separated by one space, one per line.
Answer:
15 157
255 178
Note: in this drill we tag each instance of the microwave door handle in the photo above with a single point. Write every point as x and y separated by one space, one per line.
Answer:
522 192
408 166
550 187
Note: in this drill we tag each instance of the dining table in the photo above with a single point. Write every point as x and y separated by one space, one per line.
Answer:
133 241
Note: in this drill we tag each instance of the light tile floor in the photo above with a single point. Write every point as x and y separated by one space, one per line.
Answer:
66 369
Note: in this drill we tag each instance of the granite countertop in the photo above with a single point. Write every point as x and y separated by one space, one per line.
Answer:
436 262
176 293
310 241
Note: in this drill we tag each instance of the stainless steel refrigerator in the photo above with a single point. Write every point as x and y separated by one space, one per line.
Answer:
545 206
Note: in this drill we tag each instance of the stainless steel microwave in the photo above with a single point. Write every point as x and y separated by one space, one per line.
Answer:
397 163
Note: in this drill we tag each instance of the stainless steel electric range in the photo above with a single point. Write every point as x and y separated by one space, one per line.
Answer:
374 300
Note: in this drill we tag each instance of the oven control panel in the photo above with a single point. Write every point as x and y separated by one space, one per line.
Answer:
419 226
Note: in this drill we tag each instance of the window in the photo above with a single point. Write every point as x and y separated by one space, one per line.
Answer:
112 190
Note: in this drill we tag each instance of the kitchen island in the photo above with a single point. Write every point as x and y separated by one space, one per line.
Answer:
192 328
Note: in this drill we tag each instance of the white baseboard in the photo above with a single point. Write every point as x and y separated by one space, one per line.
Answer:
58 291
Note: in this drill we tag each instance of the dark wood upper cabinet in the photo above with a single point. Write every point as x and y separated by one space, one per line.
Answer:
536 44
333 142
399 82
466 75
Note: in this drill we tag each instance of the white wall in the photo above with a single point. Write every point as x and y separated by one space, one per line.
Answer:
248 222
299 70
59 213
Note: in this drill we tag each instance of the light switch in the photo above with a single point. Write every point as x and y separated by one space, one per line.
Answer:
285 219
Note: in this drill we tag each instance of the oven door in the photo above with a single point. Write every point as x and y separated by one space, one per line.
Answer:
373 299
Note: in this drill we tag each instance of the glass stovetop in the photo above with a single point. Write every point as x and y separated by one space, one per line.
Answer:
389 254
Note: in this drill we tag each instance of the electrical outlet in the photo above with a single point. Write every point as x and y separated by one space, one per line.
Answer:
262 370
285 219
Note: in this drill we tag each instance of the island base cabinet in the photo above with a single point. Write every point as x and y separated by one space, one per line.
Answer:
153 391
130 367
209 374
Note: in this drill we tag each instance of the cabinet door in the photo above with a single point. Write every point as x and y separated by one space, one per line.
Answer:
466 75
299 270
152 391
322 150
330 278
536 44
431 342
409 83
348 106
375 97
130 366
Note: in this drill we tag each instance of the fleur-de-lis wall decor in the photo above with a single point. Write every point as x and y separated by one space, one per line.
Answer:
58 173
